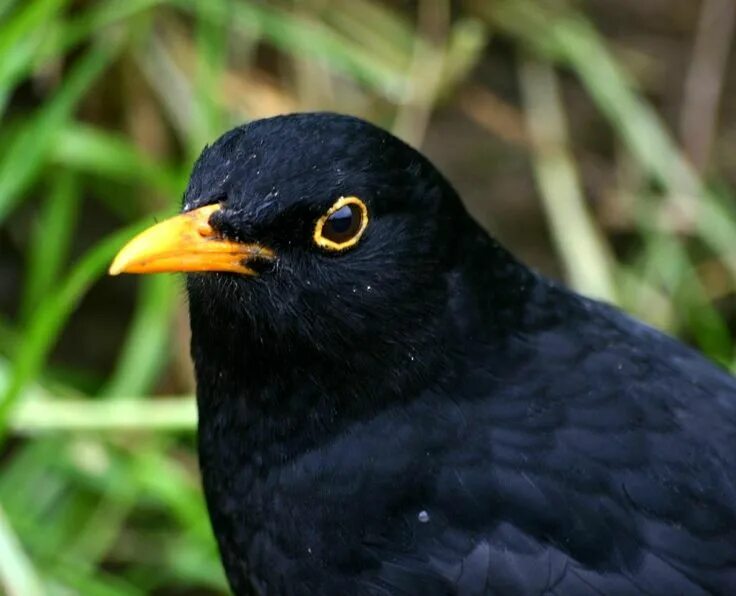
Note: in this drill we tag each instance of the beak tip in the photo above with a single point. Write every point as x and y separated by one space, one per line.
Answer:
116 268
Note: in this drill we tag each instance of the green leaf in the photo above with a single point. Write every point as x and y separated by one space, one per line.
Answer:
17 574
31 147
293 33
48 320
105 154
50 240
581 246
20 39
209 117
131 414
572 40
146 347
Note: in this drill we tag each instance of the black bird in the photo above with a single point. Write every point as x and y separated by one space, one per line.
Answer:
391 403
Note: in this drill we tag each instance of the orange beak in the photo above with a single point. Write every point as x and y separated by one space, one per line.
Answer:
186 242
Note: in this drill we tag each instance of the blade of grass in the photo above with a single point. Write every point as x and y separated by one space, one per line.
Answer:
98 483
586 257
568 38
101 153
705 78
74 576
295 34
96 534
211 63
178 490
17 574
571 40
153 468
31 391
44 327
173 414
84 24
6 6
27 20
49 245
20 38
192 565
145 349
100 15
87 520
386 34
30 149
424 73
167 488
468 40
170 80
34 47
665 260
23 477
8 338
65 573
61 568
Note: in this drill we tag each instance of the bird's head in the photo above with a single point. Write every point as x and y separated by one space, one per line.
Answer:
312 233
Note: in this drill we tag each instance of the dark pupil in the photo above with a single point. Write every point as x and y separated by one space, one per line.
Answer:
342 224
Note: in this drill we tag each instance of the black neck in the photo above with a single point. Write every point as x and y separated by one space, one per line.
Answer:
290 395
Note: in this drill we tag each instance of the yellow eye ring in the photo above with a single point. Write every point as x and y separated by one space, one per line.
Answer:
342 225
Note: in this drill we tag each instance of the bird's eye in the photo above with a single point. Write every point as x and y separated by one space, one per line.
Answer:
342 225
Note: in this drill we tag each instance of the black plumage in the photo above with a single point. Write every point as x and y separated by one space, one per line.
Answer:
423 414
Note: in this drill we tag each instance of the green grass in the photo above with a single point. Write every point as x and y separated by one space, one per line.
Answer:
104 106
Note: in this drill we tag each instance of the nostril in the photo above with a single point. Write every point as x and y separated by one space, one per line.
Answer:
204 230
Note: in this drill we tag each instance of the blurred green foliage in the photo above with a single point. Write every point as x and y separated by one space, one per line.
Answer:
104 105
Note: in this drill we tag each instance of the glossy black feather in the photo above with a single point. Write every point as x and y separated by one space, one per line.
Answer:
423 414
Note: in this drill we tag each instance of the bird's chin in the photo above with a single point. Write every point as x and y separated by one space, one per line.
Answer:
246 304
221 288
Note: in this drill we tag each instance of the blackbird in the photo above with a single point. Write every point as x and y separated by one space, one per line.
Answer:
391 403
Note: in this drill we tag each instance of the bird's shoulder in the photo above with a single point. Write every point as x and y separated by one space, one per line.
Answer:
590 452
600 453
